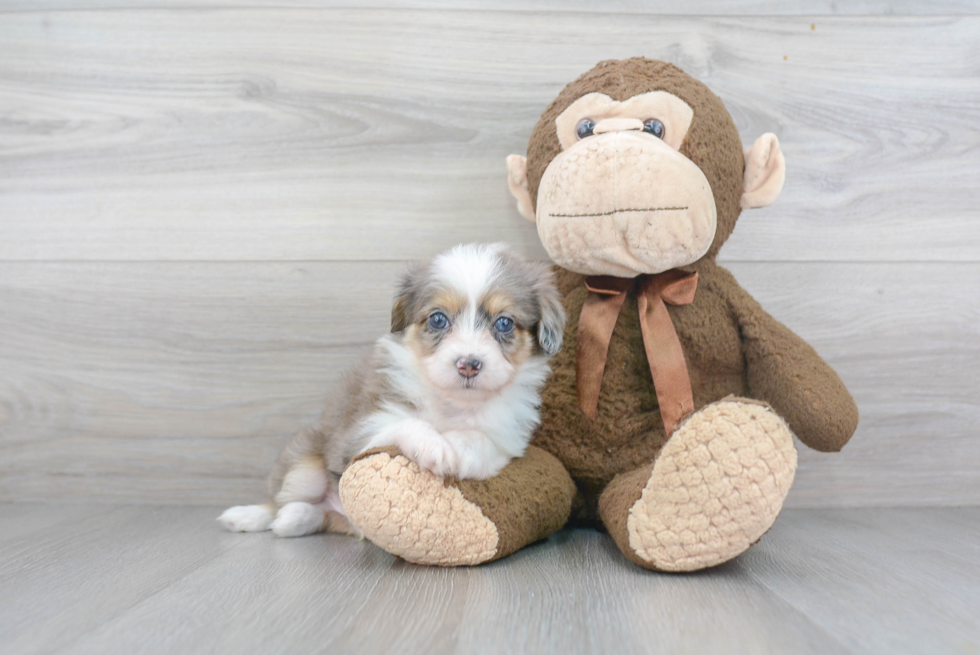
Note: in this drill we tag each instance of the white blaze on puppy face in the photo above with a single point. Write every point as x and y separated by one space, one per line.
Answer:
476 305
466 341
470 269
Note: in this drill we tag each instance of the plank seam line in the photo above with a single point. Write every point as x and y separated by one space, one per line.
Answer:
469 10
723 262
188 571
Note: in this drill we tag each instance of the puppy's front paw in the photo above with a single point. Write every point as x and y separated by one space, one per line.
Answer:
479 458
246 518
438 457
297 520
422 444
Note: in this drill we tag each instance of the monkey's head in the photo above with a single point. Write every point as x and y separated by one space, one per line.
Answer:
636 167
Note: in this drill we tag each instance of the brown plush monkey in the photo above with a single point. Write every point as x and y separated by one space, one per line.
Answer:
670 414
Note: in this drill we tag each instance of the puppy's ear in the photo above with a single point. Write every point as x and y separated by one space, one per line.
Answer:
399 313
551 326
401 310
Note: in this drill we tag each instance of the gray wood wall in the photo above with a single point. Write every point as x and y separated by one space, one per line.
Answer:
202 212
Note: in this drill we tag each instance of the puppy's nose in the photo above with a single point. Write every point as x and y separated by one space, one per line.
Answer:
468 367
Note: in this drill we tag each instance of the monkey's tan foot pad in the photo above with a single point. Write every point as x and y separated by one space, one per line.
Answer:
716 488
424 519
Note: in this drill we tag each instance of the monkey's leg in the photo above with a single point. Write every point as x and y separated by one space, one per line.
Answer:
714 490
427 520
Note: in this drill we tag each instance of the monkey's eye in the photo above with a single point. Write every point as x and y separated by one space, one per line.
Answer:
504 325
585 127
654 127
438 321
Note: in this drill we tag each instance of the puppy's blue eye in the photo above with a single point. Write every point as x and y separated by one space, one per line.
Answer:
438 321
504 325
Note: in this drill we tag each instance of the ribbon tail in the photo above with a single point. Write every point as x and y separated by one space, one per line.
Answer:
666 359
595 328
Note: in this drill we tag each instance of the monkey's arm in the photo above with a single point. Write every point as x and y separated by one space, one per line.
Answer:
786 372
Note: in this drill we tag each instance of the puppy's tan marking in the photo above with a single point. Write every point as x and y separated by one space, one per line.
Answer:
451 301
521 347
306 482
337 523
497 302
413 341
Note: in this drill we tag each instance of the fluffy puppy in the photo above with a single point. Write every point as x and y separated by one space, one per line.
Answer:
455 386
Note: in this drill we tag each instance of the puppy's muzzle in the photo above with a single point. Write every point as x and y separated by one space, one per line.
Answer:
468 367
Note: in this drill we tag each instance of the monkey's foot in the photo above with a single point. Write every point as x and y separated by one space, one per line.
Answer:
715 489
425 519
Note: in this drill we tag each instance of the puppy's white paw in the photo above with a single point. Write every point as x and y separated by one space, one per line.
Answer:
422 444
435 455
246 518
297 519
478 457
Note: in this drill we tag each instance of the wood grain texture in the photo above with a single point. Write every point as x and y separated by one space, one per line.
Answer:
836 568
166 580
181 371
340 134
86 570
202 211
23 520
572 594
655 7
178 382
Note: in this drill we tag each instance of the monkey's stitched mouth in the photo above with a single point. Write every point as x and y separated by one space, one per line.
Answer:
620 211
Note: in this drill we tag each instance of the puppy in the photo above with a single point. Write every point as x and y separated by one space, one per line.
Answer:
455 386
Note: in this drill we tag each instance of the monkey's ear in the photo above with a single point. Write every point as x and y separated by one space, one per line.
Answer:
765 172
517 183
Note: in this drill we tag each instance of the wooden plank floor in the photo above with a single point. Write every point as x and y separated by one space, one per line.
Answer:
165 579
203 210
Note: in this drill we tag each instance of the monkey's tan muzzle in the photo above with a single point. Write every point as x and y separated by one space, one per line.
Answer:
624 203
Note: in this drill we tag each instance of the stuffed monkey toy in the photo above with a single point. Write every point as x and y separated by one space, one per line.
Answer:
669 416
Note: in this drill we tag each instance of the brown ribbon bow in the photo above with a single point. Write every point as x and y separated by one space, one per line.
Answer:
663 348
